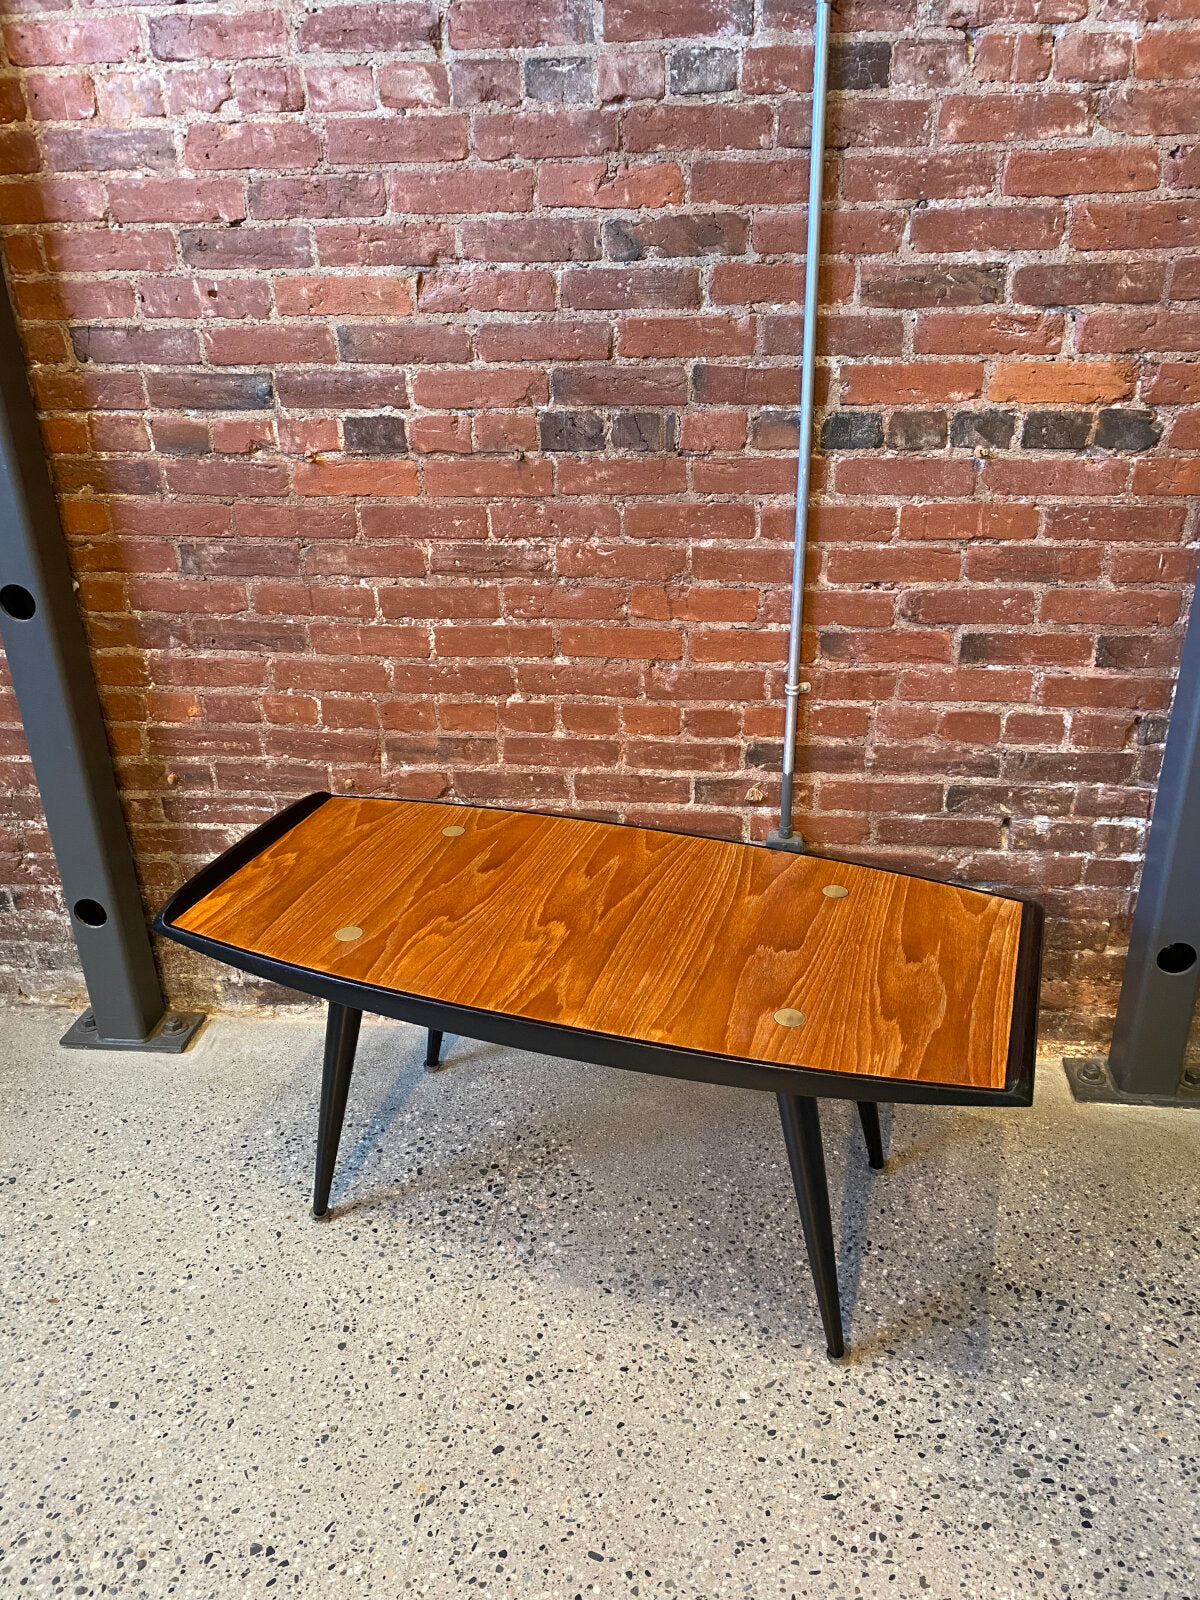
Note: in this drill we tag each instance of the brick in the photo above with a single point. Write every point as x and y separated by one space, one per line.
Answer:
543 341
627 188
1057 430
226 147
272 346
336 389
344 296
71 200
738 183
485 480
72 41
1173 383
104 150
632 289
917 430
942 175
570 431
1140 331
1014 57
1062 382
263 88
1156 224
532 239
215 35
627 20
640 75
987 333
954 229
339 478
485 81
609 385
968 521
623 643
703 69
486 291
541 135
925 284
472 387
436 136
415 342
280 199
1007 118
903 383
562 80
65 97
1086 57
701 127
1158 110
989 428
685 234
1087 170
370 29
852 430
1078 283
517 24
465 193
177 200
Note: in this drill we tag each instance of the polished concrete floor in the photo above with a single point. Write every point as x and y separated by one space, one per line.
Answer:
557 1337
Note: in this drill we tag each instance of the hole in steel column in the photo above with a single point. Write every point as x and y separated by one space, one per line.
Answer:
16 601
91 913
1176 957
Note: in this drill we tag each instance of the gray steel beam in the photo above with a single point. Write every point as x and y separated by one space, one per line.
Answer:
48 657
1162 973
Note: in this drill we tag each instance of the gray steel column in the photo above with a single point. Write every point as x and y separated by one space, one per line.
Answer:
56 692
1162 973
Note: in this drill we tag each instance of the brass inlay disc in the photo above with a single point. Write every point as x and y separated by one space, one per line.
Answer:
346 935
787 1018
453 831
835 891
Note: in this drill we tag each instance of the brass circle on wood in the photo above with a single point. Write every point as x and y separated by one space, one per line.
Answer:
835 891
787 1018
454 831
348 934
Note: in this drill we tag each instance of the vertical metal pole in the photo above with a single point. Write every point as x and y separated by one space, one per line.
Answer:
785 836
56 692
1162 972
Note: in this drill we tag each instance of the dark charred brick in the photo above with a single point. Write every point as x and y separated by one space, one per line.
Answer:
1057 430
860 64
571 430
917 430
375 436
852 430
563 80
700 70
643 430
969 429
1118 429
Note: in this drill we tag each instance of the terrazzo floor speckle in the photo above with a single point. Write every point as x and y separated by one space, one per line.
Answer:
557 1337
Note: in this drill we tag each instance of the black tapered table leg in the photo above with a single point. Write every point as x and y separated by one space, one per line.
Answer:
802 1134
341 1039
433 1053
868 1113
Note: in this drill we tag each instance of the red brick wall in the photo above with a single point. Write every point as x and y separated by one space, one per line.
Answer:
419 383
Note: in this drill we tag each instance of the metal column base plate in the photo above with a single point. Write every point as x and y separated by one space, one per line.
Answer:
1089 1079
794 842
172 1036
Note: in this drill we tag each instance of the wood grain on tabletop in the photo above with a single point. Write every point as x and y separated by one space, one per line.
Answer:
645 935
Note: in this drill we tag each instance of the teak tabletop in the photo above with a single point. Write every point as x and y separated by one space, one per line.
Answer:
703 944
